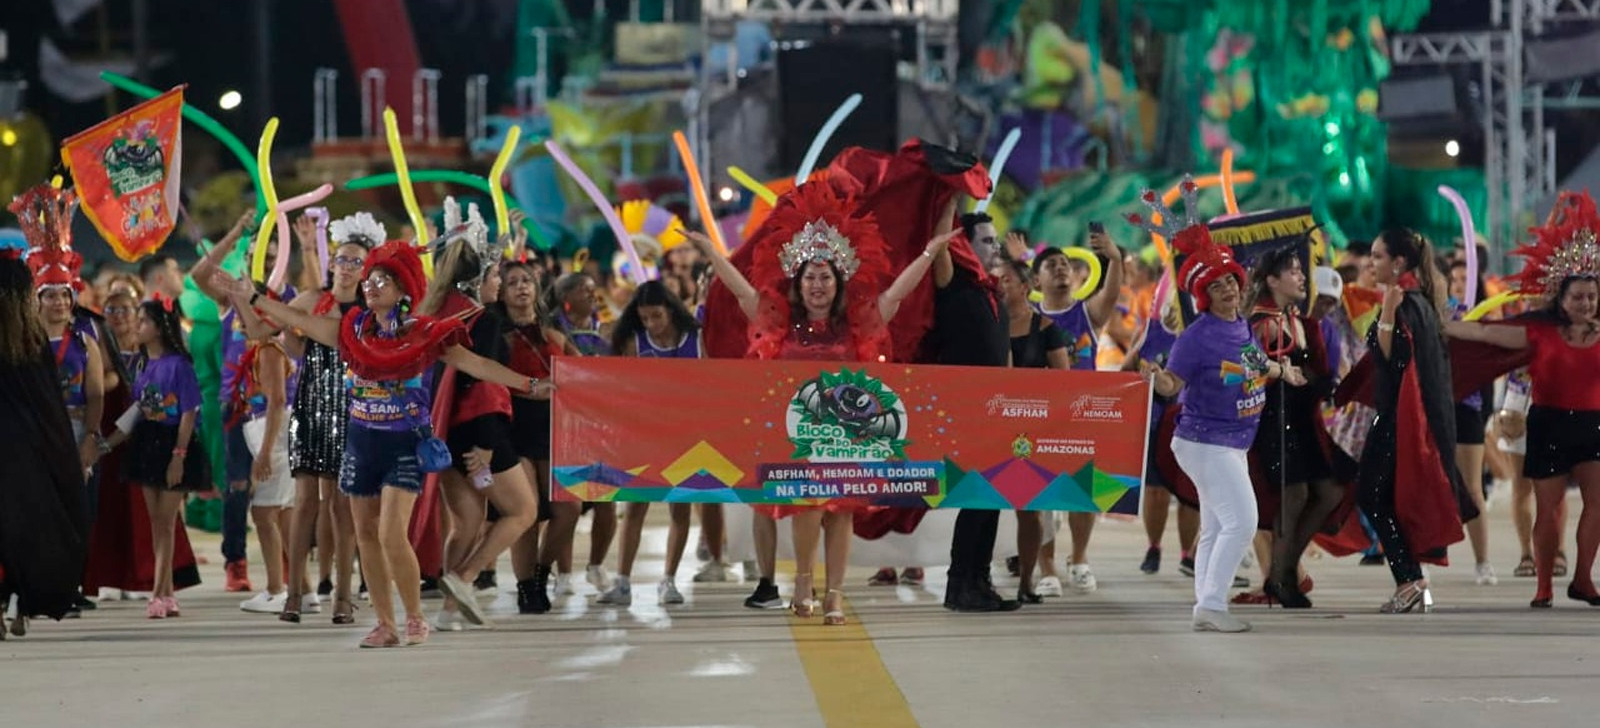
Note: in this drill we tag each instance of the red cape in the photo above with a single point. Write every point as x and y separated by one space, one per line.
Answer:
1473 366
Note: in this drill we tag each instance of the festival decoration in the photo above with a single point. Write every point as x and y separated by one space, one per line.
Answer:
1567 245
1469 241
1095 271
599 199
497 192
204 121
408 194
702 201
759 190
319 217
45 214
280 268
1000 159
1229 199
449 176
258 259
814 152
126 170
1492 304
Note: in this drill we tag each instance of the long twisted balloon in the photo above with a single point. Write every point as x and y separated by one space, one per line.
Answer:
619 230
1469 239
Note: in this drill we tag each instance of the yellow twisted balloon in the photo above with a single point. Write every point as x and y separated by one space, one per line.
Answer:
746 181
269 191
1492 304
391 130
497 193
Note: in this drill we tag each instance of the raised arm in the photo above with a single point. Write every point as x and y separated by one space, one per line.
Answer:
1505 337
889 300
204 271
738 285
243 295
1103 305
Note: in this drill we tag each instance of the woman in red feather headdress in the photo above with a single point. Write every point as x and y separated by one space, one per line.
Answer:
1563 425
820 288
388 351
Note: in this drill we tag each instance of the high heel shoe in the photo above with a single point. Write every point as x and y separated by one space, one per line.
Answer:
1577 596
344 612
291 609
804 608
1407 598
1286 597
834 617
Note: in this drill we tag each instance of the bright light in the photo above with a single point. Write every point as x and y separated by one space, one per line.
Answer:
1344 178
1452 148
230 100
1331 128
8 137
725 194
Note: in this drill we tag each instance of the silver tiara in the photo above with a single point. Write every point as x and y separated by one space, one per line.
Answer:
818 241
1171 224
474 230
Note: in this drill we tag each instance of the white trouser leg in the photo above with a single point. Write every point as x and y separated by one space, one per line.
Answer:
1221 475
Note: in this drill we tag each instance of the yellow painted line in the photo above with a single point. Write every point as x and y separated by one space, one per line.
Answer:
847 675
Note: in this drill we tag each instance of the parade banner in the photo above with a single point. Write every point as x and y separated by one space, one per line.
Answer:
126 170
803 433
1252 235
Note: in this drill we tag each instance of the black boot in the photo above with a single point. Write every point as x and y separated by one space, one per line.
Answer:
533 596
955 583
977 594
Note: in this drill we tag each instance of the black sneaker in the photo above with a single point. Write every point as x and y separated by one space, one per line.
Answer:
765 596
325 588
430 588
82 603
486 581
1152 560
532 598
1013 566
1186 566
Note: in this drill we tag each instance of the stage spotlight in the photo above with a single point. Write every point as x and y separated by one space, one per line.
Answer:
1452 148
230 100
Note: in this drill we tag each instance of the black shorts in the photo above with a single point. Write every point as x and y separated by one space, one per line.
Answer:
489 432
530 428
149 453
1560 440
1470 424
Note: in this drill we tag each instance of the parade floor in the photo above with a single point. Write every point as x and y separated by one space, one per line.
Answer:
1123 655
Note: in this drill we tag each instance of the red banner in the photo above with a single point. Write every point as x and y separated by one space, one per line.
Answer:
793 432
126 170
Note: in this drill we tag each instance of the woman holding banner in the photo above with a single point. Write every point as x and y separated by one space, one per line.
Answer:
821 290
1219 375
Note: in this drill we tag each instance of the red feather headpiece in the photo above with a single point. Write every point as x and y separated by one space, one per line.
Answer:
45 214
1204 260
401 260
1564 247
790 237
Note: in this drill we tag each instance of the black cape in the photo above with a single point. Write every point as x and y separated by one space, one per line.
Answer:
43 524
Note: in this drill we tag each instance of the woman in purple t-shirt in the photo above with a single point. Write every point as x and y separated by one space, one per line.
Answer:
1219 375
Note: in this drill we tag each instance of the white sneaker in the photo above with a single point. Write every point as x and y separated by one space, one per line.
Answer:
449 621
667 592
1048 587
561 586
1486 575
597 576
713 571
619 595
1082 579
310 604
265 603
1210 620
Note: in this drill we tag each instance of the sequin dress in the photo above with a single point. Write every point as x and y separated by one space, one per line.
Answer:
317 430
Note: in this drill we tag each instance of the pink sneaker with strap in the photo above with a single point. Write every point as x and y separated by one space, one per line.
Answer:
156 609
381 636
416 631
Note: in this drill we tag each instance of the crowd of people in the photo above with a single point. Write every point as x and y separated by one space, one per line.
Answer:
404 423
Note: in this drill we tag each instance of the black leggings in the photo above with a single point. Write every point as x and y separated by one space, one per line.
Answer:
972 545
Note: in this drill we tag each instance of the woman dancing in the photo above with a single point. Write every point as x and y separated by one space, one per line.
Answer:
1408 484
824 294
1563 423
1296 470
1219 374
388 350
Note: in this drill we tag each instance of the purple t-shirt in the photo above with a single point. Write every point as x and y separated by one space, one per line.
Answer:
72 360
385 406
1083 346
1224 375
167 389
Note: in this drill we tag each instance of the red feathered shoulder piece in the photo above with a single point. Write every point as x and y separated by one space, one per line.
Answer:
781 238
408 353
1563 247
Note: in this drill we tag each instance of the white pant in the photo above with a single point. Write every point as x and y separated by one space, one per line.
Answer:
1221 476
277 491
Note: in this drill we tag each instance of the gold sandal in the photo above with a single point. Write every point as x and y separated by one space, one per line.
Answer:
835 617
804 608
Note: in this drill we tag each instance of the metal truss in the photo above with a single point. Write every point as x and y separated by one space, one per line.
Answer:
832 11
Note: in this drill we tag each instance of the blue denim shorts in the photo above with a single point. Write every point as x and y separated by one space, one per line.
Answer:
236 456
378 459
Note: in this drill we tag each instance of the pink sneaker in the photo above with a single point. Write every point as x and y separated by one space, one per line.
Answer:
172 606
416 631
381 636
156 609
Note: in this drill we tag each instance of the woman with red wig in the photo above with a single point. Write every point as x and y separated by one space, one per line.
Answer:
388 350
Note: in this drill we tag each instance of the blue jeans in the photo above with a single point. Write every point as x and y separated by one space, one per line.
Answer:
236 503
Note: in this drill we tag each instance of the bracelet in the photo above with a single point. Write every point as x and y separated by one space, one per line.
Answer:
926 254
180 451
532 382
100 443
1385 327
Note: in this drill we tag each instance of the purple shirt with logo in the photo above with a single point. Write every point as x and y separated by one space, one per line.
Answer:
688 347
167 389
1224 375
389 406
1083 346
